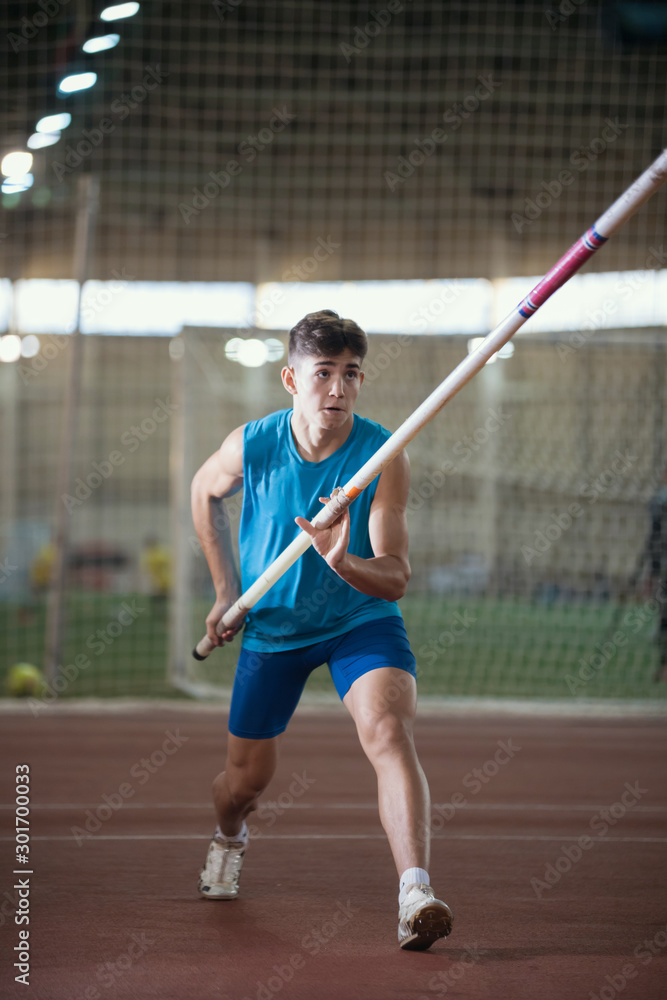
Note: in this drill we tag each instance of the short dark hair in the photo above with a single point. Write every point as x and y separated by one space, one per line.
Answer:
325 334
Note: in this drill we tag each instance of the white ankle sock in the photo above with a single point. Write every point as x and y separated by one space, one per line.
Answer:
409 877
242 835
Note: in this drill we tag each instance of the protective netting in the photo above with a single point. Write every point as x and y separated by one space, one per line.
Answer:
309 141
428 139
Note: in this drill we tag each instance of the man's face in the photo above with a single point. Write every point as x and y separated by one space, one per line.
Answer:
325 389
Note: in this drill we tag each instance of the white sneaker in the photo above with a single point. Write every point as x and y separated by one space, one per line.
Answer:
422 918
220 876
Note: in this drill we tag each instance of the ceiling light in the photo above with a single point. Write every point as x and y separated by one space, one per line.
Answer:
14 185
38 140
77 81
101 44
119 10
16 164
53 123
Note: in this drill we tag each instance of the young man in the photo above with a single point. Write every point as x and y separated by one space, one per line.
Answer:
287 462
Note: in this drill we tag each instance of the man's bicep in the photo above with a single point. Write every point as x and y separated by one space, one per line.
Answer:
222 474
387 524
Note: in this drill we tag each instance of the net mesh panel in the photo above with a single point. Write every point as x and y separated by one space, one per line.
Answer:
528 509
117 596
519 94
432 141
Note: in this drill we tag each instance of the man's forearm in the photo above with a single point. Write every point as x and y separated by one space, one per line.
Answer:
212 525
382 576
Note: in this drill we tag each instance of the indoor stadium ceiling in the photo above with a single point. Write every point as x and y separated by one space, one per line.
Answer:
413 139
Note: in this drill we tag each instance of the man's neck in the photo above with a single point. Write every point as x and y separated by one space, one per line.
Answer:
314 443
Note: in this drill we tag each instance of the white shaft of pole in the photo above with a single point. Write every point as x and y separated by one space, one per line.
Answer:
595 237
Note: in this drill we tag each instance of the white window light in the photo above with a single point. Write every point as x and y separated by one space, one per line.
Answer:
77 81
53 123
410 307
16 164
119 11
38 140
101 44
164 308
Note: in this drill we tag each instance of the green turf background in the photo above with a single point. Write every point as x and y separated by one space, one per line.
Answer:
504 648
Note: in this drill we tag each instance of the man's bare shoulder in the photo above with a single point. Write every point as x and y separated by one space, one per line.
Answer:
222 473
231 450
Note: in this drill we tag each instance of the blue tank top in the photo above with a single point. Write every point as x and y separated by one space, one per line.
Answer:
310 602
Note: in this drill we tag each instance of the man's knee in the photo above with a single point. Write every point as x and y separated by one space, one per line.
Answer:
385 732
245 785
248 771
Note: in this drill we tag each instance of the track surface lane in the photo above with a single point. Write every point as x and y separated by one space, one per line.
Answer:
116 915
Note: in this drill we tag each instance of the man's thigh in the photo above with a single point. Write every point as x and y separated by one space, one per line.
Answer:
379 649
267 688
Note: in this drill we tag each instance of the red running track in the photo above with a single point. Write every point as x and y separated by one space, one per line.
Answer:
116 915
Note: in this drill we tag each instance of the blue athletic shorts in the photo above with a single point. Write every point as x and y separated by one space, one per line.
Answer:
267 686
